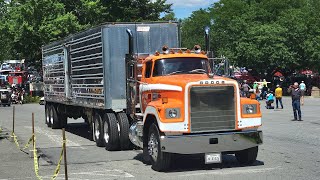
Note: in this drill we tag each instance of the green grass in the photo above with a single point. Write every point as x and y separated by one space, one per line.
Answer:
30 99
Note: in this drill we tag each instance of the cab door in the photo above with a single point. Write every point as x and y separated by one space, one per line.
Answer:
145 93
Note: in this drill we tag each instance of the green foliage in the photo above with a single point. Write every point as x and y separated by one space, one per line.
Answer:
169 17
192 30
260 34
31 99
27 25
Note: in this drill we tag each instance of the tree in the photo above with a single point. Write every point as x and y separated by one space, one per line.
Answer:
192 30
261 34
169 17
33 23
26 25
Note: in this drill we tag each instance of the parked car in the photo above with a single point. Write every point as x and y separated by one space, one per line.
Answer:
41 102
5 97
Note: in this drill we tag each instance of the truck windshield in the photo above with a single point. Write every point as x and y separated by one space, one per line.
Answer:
171 66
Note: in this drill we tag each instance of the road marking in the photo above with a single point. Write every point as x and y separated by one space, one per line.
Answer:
97 175
55 138
233 171
118 173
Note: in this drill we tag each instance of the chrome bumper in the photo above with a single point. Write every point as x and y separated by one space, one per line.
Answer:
213 142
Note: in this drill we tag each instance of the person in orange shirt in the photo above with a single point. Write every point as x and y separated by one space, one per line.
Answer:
278 93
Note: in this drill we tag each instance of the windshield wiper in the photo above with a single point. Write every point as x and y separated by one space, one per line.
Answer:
175 72
202 71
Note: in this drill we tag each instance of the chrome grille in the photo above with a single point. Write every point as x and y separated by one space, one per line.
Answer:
212 108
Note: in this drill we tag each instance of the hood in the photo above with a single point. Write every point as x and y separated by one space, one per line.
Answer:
183 79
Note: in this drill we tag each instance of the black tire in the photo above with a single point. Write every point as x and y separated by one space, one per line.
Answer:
47 115
247 156
97 130
111 132
56 121
160 161
124 124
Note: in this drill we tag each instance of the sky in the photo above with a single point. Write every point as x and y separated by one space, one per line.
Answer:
184 8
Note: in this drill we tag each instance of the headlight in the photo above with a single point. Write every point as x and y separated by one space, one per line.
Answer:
172 113
249 109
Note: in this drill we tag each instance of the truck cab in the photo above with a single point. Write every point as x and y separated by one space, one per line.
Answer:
186 109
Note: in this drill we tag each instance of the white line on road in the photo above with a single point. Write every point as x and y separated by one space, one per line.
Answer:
54 137
105 174
97 175
233 171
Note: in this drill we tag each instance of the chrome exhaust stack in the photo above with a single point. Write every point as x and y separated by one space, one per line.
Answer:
207 38
131 78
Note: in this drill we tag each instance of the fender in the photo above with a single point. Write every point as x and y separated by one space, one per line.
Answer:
166 127
153 87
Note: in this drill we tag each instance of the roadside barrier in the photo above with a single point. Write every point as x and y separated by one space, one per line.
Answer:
32 140
17 143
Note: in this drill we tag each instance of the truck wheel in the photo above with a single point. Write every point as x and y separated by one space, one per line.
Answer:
48 115
247 156
124 124
55 123
97 130
160 161
111 132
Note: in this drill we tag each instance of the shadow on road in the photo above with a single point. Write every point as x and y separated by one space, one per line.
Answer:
4 134
182 163
79 129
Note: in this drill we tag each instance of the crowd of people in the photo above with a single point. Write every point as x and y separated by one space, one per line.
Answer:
260 91
16 93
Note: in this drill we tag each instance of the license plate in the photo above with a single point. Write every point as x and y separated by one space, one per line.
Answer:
213 158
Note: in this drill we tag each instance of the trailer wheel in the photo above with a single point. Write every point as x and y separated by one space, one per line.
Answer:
97 130
247 156
55 123
48 115
160 161
111 132
124 124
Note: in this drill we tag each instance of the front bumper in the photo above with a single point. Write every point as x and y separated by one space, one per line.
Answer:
212 142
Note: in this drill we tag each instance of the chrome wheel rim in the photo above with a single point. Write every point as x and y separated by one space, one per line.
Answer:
51 116
47 116
96 129
106 132
153 147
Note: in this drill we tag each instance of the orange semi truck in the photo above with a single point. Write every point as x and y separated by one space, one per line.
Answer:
131 92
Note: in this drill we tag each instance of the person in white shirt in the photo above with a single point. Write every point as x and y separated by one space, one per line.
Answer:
303 89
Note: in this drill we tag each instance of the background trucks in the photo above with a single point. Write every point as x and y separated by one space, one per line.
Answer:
115 78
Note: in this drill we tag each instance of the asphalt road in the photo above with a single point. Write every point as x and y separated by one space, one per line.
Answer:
290 150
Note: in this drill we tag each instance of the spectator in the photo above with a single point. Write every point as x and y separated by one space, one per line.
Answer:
278 93
295 93
255 85
269 100
245 88
257 92
302 87
264 91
